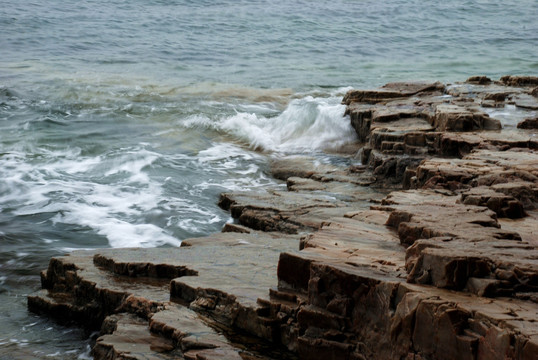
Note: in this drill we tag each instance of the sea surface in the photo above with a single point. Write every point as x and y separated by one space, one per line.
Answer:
122 121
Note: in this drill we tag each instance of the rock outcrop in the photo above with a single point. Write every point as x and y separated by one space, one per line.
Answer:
427 251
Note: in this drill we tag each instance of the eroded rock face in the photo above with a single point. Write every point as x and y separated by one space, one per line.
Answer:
435 121
347 265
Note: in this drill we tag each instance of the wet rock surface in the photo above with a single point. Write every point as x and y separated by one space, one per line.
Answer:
427 251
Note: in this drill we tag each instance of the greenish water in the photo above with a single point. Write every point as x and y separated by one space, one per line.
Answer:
122 121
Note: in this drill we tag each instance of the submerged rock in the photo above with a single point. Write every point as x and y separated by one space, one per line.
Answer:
348 264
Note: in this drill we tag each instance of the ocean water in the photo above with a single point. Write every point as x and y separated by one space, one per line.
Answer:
122 121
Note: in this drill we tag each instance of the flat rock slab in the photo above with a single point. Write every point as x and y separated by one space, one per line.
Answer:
516 159
131 339
299 166
392 91
404 125
460 246
481 167
89 286
461 144
527 227
225 264
446 217
312 201
362 240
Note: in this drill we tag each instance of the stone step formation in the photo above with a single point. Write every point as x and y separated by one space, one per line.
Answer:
427 251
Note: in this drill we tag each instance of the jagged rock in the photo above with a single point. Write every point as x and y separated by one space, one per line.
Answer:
73 284
397 125
502 204
96 287
392 168
391 319
493 268
460 246
499 96
525 192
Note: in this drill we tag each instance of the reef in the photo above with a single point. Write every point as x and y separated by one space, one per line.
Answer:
422 247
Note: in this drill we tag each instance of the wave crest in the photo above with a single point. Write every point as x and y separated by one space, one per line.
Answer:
307 124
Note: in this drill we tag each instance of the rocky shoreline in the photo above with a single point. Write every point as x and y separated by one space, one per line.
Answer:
427 251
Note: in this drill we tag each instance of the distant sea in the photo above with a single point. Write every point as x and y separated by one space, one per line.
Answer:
122 121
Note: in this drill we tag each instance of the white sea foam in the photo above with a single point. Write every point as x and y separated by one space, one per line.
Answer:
136 196
115 195
62 185
222 152
307 124
241 169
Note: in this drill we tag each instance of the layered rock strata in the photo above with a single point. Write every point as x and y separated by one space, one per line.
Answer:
443 267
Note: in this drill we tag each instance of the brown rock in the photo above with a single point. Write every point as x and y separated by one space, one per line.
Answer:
413 225
480 80
497 96
391 91
512 80
503 205
131 339
297 166
528 124
301 209
459 118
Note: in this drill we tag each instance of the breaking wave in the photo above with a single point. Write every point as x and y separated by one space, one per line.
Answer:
307 124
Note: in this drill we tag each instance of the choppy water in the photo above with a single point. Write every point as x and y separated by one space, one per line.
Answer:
122 121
